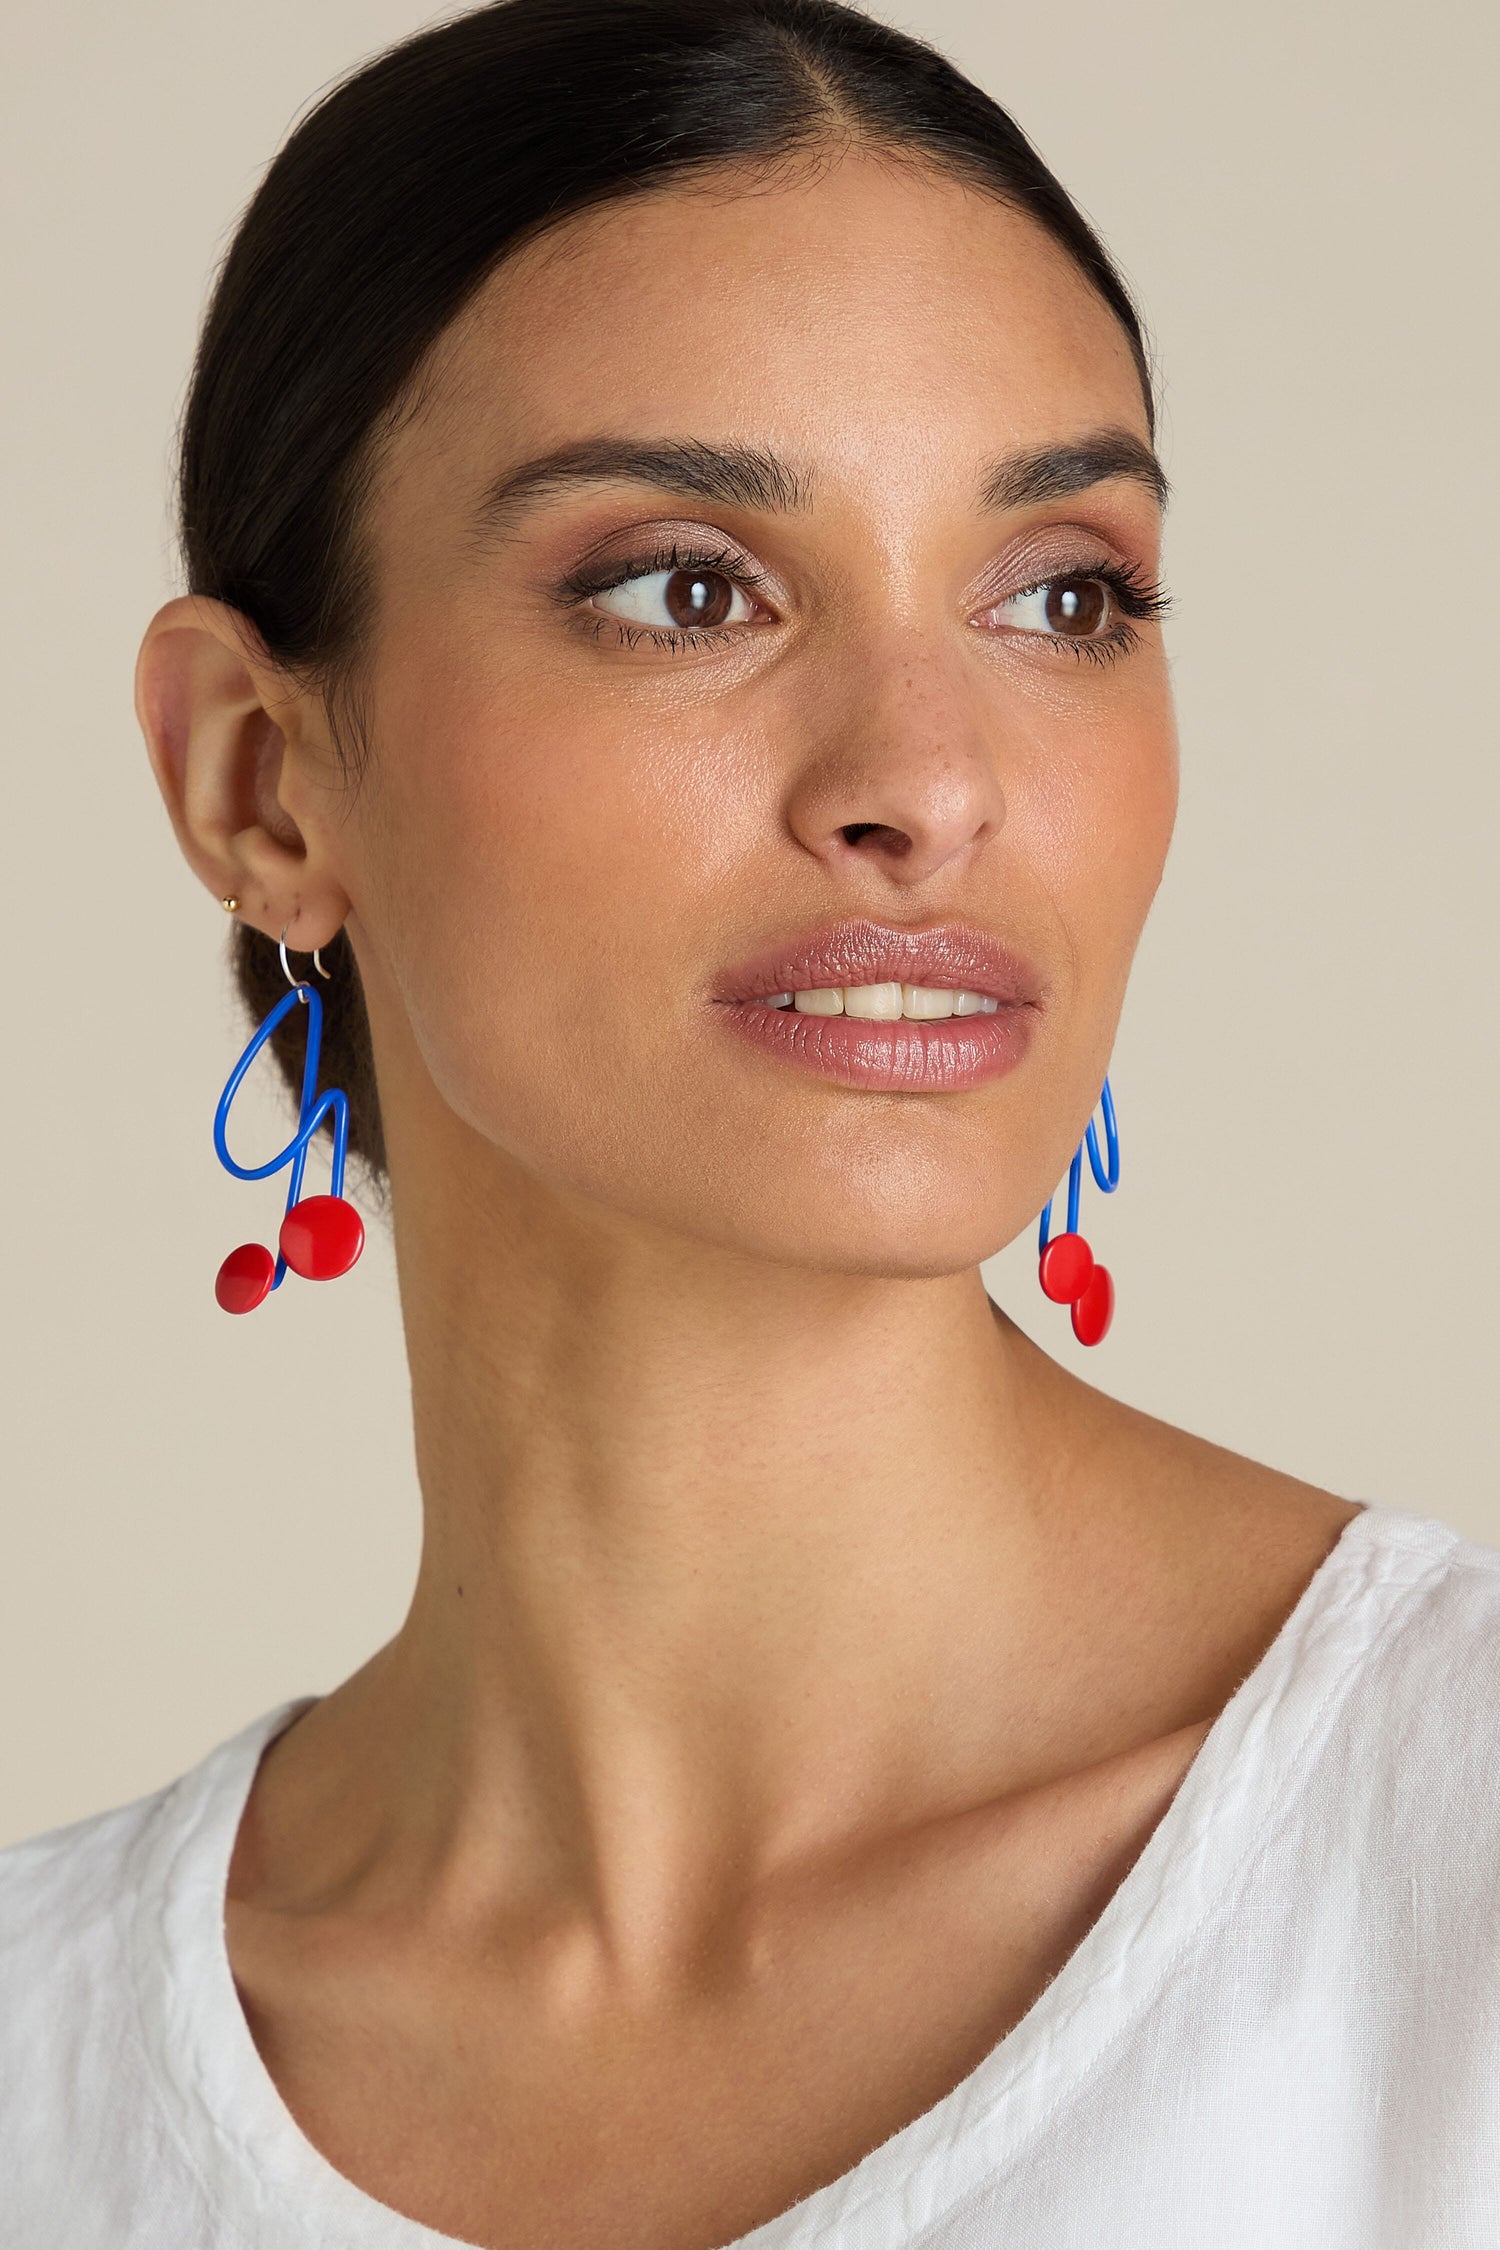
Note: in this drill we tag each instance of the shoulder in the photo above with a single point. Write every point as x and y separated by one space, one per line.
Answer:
1442 1593
1405 1796
1432 1671
103 1929
73 2087
78 1903
65 1902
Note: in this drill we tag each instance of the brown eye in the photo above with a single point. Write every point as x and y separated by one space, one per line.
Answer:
693 597
698 597
1077 607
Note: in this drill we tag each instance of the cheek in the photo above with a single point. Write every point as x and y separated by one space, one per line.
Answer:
1097 803
549 897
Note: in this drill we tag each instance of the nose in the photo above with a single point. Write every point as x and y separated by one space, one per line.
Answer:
903 778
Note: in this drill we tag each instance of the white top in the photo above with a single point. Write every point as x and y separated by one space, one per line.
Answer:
1283 2033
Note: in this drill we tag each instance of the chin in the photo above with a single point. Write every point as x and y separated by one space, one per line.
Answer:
890 1237
877 1255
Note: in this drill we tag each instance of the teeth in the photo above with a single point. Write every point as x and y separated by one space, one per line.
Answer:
885 1003
880 1002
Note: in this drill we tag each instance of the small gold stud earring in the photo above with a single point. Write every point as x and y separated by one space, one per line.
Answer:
230 905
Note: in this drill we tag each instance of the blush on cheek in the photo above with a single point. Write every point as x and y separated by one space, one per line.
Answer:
1110 830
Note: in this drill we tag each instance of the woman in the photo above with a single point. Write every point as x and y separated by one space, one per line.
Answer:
672 525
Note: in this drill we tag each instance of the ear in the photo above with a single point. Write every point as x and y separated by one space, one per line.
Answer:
216 715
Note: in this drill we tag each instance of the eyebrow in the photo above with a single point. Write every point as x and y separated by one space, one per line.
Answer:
737 476
741 476
1056 472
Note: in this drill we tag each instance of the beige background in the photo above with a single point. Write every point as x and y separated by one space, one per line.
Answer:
201 1516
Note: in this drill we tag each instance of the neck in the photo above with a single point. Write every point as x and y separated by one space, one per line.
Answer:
716 1553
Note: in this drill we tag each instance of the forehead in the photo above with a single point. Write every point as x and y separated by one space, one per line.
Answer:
846 311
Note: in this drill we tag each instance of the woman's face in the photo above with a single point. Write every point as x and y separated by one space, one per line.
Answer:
761 601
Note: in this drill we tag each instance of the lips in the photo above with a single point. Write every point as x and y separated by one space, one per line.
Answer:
857 953
947 1055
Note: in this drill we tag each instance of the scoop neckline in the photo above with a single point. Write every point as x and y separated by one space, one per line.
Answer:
251 2158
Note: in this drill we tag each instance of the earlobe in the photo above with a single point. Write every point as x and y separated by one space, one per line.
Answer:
206 696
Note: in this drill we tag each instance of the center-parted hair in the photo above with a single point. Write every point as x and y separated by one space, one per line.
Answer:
391 204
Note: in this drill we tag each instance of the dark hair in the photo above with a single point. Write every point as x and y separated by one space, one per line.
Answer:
393 201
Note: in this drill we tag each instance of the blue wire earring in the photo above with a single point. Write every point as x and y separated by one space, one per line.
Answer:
1068 1272
321 1235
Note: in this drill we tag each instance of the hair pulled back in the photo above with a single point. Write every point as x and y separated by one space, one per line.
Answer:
390 205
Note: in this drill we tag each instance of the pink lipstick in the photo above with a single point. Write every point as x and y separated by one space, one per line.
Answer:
906 1011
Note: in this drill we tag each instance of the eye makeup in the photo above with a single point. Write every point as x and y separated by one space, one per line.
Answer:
1091 600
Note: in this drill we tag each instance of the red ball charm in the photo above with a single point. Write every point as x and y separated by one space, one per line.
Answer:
1095 1309
1067 1263
321 1237
245 1278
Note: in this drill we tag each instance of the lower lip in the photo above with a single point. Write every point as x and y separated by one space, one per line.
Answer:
943 1057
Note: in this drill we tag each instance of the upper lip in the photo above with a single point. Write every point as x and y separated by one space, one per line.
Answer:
950 955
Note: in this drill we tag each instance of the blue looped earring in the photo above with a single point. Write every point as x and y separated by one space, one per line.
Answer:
1068 1272
321 1235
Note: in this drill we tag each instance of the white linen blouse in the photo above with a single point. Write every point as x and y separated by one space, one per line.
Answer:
1283 2032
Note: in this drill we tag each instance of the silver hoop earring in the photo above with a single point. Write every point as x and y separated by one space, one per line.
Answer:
326 974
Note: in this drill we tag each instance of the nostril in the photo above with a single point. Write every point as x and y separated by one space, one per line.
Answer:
894 840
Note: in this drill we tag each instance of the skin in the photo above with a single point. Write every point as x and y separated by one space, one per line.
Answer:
799 1658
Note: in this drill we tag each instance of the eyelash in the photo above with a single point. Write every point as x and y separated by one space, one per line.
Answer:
730 562
1135 595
